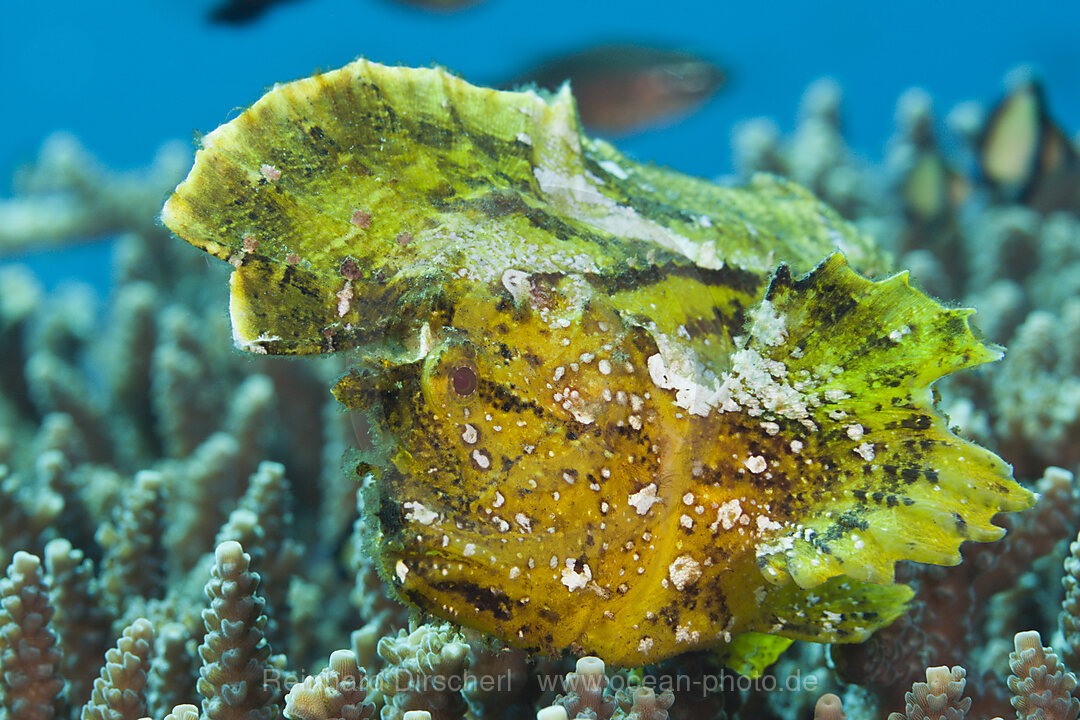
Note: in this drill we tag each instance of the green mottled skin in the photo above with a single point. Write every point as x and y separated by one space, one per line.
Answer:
602 419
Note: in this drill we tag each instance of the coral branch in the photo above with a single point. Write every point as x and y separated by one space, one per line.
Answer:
119 692
337 693
29 659
81 623
1043 689
235 654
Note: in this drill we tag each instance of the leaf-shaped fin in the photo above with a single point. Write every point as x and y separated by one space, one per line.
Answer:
839 610
348 201
751 653
861 356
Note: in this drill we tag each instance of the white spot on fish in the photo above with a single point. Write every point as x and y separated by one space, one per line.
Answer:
684 571
482 460
574 580
415 510
517 284
755 464
523 520
727 515
644 499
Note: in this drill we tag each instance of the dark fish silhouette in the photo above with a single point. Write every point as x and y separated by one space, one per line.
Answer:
240 12
440 5
622 88
1025 155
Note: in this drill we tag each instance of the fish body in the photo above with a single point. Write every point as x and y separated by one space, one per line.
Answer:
441 5
624 87
612 408
240 12
1023 152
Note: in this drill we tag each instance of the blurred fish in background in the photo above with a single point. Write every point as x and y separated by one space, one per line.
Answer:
625 88
1024 155
930 188
240 12
440 5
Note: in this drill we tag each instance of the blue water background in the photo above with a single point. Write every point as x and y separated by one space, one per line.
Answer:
125 76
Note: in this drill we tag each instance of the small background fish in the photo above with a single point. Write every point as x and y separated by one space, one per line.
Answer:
241 12
622 88
441 5
1024 154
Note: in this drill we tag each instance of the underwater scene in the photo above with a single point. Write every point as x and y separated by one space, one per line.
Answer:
487 359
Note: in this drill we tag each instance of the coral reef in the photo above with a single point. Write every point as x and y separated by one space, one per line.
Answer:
134 443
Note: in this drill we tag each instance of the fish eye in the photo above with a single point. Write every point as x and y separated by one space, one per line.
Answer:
463 381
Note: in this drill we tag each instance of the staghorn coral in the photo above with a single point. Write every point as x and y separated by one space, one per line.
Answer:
119 692
829 707
425 670
30 683
1069 617
587 693
235 655
941 697
1042 688
66 194
339 692
132 545
183 712
173 669
25 515
643 703
816 155
80 621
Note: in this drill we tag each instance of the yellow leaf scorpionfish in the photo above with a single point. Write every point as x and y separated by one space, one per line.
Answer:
613 408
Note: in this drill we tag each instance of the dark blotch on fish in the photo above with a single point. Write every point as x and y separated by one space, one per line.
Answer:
623 88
